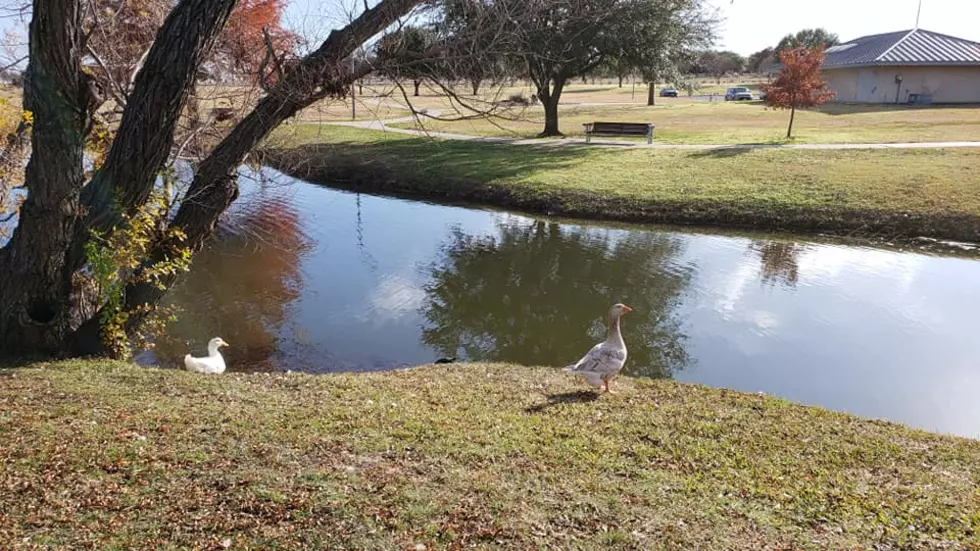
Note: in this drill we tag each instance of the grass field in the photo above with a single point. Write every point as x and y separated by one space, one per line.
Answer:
679 121
894 193
682 121
110 456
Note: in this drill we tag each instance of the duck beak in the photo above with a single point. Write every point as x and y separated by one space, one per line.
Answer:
627 309
225 345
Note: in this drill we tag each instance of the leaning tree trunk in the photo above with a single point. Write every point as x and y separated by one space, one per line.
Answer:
215 186
44 307
50 299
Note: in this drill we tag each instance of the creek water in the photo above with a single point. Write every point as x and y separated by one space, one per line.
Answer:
306 278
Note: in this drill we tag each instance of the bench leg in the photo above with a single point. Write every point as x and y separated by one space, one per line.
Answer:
650 138
588 138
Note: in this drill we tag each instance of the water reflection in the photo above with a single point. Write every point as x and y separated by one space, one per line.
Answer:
241 286
780 261
309 278
537 294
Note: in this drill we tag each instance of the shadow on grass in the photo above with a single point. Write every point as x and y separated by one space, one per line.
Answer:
580 397
857 108
724 152
419 157
587 90
8 365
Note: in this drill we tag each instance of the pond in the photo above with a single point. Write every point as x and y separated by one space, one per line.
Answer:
306 278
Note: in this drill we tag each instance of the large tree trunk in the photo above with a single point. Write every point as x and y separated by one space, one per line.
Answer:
162 87
44 308
550 97
215 186
652 94
34 310
41 315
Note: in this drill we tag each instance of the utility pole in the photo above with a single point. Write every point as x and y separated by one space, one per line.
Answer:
918 14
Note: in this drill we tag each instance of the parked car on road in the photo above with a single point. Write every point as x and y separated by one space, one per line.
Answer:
738 94
668 92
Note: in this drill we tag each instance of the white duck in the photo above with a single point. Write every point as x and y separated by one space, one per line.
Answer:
212 363
606 359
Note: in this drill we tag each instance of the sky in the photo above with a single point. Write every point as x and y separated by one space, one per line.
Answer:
751 25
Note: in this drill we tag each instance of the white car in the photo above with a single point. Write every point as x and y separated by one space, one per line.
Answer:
738 94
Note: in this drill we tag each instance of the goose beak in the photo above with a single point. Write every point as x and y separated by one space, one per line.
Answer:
627 309
225 345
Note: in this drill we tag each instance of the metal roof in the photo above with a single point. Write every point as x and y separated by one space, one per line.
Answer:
915 47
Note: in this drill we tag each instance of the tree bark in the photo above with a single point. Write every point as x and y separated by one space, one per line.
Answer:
792 115
620 81
34 310
215 186
475 84
549 97
47 311
416 83
44 311
652 94
146 132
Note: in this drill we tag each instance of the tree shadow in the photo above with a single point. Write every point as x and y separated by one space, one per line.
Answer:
9 365
419 159
585 90
835 108
580 397
724 152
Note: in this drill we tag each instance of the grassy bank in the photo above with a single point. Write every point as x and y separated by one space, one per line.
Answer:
113 456
682 121
891 193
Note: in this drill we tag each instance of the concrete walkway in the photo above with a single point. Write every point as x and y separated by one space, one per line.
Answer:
557 142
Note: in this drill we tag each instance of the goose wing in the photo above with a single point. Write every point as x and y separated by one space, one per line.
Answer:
602 359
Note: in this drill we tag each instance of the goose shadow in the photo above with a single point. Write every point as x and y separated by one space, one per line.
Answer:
580 397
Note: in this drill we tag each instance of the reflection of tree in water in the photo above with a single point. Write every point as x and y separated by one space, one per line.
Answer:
535 294
239 287
780 261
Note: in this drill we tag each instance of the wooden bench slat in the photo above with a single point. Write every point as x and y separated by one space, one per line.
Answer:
619 129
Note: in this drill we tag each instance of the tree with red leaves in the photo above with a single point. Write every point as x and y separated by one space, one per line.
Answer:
253 34
799 85
121 33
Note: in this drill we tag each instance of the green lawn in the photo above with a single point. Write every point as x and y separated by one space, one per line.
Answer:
894 193
680 121
110 456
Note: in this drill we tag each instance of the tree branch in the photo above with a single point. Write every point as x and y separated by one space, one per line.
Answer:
214 187
146 132
118 93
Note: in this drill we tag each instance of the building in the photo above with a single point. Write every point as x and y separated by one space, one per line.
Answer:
916 66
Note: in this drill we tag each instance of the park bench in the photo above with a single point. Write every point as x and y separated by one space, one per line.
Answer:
643 129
